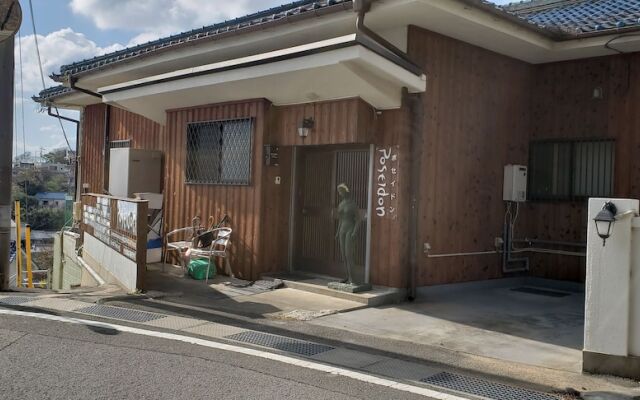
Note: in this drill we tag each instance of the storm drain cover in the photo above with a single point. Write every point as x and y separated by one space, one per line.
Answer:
540 292
120 313
15 300
484 388
290 345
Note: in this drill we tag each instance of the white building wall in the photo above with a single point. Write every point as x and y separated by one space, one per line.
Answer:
612 306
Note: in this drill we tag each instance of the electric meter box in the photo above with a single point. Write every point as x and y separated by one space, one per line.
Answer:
515 183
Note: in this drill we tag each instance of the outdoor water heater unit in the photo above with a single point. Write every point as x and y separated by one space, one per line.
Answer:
134 171
515 183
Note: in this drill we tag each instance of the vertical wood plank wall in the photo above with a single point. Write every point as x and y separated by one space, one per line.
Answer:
389 237
563 107
336 122
476 111
243 204
124 125
92 150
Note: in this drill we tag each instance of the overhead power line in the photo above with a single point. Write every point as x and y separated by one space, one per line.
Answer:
44 86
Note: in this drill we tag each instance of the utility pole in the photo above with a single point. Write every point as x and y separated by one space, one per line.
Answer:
10 19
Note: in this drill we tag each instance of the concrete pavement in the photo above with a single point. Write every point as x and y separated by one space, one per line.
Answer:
56 360
402 362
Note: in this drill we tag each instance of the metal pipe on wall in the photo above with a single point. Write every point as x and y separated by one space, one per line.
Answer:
6 136
106 151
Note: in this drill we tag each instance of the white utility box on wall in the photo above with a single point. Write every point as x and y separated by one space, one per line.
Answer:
134 171
515 183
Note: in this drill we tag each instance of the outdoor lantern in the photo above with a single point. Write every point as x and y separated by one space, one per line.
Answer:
605 220
305 128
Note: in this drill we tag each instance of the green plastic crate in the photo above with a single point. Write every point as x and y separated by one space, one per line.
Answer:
198 269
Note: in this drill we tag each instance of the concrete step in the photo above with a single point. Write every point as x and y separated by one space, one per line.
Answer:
379 295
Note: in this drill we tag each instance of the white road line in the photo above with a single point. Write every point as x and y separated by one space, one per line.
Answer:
248 351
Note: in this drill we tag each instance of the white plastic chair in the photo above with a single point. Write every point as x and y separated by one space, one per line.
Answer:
218 248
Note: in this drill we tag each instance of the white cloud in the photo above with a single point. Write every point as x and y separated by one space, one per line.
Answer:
157 18
56 48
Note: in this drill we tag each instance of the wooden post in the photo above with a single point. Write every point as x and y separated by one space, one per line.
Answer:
18 245
141 242
28 248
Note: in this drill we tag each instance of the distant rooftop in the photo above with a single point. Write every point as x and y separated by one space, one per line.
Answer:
51 196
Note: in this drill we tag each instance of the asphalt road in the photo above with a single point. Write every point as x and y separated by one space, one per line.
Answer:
55 360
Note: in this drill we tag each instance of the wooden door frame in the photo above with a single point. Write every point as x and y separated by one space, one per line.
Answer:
293 204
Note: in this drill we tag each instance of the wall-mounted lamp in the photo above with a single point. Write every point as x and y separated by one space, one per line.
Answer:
305 128
605 220
598 93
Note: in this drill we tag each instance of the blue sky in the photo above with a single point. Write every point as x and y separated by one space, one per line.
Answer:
73 30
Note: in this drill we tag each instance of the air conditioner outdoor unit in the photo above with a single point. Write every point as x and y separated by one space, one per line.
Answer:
134 171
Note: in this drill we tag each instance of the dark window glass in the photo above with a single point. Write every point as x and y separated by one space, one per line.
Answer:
219 152
565 170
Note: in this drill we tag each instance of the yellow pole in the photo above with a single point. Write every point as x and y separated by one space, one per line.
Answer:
18 246
28 248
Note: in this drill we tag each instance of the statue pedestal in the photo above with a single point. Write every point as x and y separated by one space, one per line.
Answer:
349 287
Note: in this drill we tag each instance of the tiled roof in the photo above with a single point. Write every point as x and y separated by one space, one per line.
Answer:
580 17
281 13
560 19
51 92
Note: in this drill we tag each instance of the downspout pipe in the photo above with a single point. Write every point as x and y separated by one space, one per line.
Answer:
414 106
416 124
75 163
377 43
106 153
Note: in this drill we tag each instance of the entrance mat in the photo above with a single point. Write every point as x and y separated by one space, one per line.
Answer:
290 345
484 388
16 300
540 292
120 313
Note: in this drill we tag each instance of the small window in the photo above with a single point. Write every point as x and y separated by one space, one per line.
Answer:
566 170
219 152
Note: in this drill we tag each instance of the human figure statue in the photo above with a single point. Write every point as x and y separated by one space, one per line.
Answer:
348 223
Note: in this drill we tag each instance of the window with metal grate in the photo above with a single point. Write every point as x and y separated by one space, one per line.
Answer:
571 169
219 152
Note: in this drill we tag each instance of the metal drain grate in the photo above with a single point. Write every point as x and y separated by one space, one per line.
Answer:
484 388
541 292
301 347
16 300
120 313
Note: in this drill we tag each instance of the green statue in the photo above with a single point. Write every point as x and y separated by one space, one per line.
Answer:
348 223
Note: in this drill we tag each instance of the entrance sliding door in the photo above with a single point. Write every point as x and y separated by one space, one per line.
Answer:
319 171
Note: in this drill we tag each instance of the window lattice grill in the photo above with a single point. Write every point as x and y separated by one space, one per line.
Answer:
219 152
571 169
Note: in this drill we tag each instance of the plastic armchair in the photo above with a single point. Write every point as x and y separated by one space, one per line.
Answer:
218 248
179 240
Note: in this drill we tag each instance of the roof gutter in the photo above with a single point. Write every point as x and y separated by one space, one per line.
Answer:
70 82
289 19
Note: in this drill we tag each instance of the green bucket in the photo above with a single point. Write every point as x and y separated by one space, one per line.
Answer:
198 269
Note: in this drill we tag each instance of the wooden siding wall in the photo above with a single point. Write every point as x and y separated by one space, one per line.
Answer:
389 244
243 204
143 133
123 125
476 112
92 150
336 122
563 107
